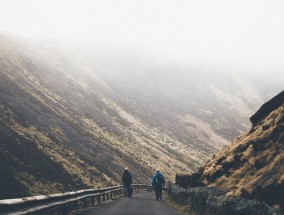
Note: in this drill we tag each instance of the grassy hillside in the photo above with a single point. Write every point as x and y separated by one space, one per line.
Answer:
252 166
74 115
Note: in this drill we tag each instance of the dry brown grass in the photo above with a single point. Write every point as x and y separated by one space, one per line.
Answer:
260 152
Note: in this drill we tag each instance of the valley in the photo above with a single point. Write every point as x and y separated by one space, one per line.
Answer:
74 115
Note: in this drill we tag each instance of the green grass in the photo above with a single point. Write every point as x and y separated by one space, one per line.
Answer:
183 209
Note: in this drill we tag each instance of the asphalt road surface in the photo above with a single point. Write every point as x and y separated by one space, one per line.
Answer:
140 204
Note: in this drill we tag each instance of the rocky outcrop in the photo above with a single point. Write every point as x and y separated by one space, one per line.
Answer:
205 201
267 108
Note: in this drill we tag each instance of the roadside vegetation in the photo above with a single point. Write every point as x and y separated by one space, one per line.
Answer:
183 209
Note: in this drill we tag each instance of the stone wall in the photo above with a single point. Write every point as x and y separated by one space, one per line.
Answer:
205 201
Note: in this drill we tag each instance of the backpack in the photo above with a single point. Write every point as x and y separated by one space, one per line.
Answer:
159 179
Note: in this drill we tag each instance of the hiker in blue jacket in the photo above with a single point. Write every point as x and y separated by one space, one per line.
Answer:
158 182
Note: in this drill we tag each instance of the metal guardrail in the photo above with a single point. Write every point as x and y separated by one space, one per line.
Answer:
63 203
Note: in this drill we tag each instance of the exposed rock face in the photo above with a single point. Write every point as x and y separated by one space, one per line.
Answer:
252 166
267 108
205 201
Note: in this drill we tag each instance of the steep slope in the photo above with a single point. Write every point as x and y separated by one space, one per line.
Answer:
253 165
58 133
74 115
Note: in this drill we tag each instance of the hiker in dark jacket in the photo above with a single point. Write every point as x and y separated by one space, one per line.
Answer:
127 181
158 182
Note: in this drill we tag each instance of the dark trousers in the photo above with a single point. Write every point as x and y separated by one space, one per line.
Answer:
129 191
158 191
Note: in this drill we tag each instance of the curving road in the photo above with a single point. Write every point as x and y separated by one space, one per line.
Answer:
140 204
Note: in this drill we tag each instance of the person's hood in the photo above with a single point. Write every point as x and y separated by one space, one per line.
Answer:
158 173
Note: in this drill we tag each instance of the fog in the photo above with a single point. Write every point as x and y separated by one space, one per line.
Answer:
239 36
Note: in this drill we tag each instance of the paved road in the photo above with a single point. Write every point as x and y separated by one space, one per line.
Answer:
140 204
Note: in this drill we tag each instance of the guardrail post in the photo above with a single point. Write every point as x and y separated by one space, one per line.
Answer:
93 201
85 201
66 202
76 205
67 208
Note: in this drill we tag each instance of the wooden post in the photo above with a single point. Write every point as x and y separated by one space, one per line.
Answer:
99 199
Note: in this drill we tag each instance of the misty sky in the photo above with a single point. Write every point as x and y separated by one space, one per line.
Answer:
240 34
